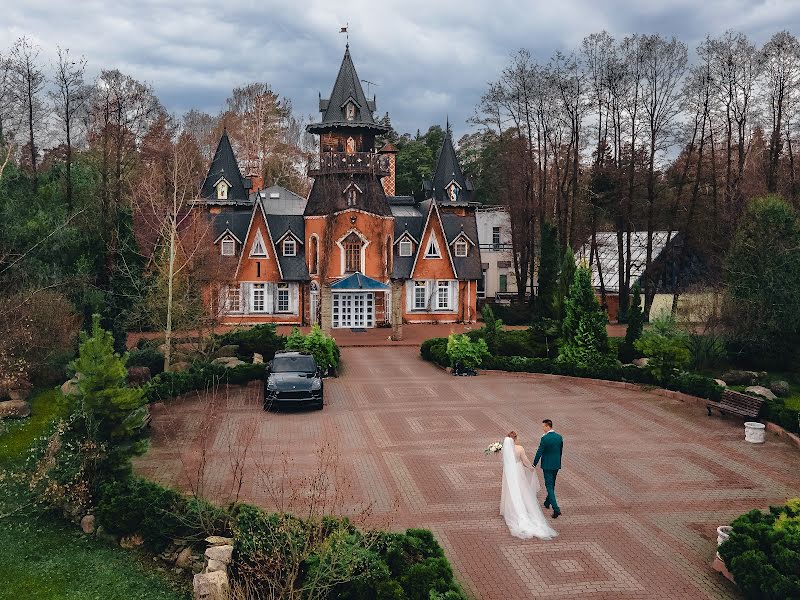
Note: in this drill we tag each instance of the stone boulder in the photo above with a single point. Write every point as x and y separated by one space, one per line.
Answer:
138 375
780 388
70 387
740 377
258 359
760 390
180 366
229 362
216 540
641 362
184 558
211 586
223 351
216 565
720 383
131 541
88 524
220 553
14 409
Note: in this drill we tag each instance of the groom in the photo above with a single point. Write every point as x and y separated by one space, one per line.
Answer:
550 448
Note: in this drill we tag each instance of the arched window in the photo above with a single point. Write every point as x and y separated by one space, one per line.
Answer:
350 148
313 254
352 253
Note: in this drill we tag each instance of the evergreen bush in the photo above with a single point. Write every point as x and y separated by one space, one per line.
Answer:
464 353
666 347
627 350
584 335
262 339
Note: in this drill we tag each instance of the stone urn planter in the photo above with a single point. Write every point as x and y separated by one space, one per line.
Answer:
723 533
754 432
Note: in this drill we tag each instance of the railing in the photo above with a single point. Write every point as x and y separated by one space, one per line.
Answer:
496 247
355 162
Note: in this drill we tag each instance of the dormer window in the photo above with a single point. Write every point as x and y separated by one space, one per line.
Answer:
405 248
432 251
350 111
461 248
222 190
453 191
259 248
228 247
289 247
351 193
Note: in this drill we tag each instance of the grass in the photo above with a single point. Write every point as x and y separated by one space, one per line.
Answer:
17 435
43 558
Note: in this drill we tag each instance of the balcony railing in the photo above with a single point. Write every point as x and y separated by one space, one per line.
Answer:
356 162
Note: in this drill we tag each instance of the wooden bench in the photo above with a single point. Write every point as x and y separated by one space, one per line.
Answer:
736 403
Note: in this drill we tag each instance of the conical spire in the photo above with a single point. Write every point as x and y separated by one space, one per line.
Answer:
448 170
346 90
224 165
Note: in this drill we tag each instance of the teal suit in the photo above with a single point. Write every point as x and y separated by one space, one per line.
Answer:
550 448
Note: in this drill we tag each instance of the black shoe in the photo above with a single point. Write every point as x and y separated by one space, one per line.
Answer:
546 505
556 514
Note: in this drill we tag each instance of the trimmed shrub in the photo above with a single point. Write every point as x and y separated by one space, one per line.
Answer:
780 414
465 353
199 377
262 339
585 339
159 514
146 356
435 350
516 313
627 349
763 552
318 343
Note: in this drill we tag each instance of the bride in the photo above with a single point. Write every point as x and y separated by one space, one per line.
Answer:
518 503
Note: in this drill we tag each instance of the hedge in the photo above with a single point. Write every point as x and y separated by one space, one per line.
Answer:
262 339
400 566
780 414
435 350
763 552
199 377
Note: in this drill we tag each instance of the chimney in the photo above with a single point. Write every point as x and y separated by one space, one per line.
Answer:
256 183
391 151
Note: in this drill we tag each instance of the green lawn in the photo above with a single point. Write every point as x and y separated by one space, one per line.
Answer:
43 558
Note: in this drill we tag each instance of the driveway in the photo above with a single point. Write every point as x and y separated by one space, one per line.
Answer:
645 479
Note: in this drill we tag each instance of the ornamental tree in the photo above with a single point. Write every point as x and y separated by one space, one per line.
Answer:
585 339
627 350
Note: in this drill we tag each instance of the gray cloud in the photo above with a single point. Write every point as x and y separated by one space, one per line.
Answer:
429 58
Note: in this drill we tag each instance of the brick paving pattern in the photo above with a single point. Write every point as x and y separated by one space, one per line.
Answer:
645 479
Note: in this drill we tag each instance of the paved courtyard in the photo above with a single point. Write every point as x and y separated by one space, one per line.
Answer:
645 479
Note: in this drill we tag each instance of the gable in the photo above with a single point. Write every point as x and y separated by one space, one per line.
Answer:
433 268
258 268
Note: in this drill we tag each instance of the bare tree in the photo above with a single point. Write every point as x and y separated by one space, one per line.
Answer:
70 102
6 99
27 83
781 59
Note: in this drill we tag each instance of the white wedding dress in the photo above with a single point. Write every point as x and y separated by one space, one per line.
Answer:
518 502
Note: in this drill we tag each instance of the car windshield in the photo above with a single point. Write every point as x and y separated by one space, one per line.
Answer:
293 364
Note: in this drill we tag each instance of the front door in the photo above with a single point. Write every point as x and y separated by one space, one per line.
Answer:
353 309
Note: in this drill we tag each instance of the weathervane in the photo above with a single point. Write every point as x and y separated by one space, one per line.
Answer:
347 33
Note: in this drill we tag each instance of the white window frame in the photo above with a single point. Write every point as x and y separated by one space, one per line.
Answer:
259 240
496 239
462 248
293 244
262 288
405 248
231 293
432 250
420 286
282 294
443 285
227 240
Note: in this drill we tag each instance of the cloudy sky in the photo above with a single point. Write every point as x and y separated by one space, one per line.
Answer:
428 58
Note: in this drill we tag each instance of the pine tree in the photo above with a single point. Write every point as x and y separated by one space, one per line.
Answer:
108 414
585 339
627 351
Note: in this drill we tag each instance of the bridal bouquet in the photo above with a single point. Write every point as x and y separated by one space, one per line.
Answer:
493 448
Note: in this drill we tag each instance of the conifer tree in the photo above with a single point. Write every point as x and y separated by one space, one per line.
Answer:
585 339
108 414
548 271
627 350
566 277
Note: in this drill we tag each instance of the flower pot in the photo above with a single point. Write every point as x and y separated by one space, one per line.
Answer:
754 432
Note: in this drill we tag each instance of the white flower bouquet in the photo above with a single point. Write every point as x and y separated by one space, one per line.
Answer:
493 448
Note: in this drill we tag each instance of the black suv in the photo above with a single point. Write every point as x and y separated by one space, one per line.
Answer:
293 379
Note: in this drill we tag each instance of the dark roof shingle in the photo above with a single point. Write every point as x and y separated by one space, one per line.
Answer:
224 165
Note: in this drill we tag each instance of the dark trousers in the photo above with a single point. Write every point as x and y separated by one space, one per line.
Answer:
550 486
